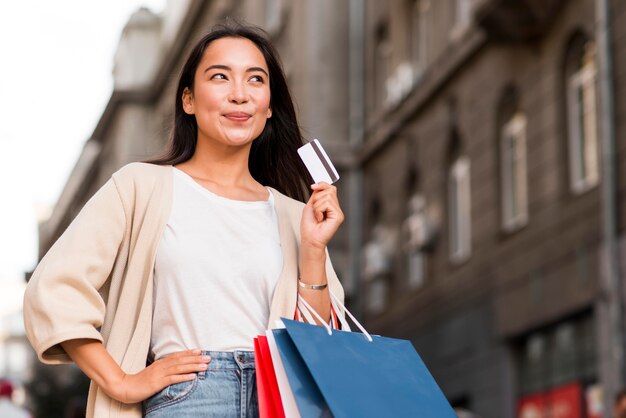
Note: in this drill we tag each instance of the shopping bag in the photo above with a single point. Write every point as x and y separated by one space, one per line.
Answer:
301 385
270 404
287 398
266 409
272 384
356 374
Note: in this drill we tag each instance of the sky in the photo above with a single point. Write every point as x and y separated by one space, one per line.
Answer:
55 80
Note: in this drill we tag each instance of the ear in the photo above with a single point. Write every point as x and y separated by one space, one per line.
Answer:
269 112
188 105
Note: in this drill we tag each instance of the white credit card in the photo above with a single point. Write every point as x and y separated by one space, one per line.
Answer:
318 163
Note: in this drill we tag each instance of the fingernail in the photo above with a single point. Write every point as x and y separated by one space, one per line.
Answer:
206 358
204 366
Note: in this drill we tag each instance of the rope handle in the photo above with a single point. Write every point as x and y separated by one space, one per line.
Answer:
307 310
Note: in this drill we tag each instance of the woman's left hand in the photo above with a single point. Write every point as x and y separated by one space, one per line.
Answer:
321 216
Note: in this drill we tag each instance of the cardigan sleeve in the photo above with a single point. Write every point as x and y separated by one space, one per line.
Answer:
62 299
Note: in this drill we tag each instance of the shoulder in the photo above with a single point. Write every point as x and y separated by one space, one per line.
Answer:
139 171
143 181
143 174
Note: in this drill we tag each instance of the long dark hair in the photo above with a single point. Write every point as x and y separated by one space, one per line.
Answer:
273 157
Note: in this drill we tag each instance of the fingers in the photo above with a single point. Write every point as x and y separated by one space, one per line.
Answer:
177 367
182 369
184 362
321 191
184 353
323 186
327 210
179 378
324 202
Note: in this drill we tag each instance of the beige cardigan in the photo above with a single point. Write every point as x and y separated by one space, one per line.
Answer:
96 280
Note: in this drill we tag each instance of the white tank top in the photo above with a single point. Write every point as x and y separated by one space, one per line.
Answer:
215 271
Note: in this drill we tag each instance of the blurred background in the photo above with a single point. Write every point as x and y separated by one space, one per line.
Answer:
482 150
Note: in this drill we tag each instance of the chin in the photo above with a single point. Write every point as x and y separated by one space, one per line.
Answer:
241 140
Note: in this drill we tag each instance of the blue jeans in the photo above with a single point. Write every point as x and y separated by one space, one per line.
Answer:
227 389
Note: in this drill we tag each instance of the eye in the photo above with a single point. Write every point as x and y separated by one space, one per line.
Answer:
218 76
257 78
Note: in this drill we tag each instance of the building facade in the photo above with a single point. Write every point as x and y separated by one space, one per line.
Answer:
481 148
483 191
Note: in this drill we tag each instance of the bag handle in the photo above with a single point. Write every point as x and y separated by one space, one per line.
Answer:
305 308
306 311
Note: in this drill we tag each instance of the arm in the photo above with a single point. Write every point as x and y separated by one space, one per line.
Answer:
93 359
321 217
313 272
62 299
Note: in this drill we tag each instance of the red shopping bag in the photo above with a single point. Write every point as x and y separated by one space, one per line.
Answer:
270 404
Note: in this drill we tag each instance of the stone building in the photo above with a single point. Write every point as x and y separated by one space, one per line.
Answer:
483 161
478 143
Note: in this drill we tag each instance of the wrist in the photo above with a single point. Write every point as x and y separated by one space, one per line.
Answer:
312 252
114 386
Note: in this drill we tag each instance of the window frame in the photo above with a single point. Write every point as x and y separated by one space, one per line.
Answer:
514 172
421 33
273 16
459 210
463 11
582 126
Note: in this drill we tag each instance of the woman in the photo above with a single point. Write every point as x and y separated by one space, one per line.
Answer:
159 285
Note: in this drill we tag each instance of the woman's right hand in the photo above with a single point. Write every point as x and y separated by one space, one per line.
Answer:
177 367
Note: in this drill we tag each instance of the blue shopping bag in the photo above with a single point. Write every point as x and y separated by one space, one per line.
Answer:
308 397
384 377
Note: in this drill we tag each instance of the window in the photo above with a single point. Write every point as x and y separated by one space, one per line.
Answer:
462 18
377 256
273 15
582 124
534 361
561 354
421 34
416 236
514 178
417 269
459 209
381 64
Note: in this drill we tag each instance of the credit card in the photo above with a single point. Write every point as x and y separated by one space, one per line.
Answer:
317 162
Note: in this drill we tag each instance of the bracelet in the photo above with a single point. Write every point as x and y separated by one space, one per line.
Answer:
311 286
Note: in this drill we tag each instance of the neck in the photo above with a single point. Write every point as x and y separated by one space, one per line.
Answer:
221 164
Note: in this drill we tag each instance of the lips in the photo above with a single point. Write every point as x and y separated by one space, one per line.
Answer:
237 116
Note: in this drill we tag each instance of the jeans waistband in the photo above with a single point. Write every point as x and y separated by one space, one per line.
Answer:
237 359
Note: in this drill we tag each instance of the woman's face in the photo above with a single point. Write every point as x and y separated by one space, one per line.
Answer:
231 97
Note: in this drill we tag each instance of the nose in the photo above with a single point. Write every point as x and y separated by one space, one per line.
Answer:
238 93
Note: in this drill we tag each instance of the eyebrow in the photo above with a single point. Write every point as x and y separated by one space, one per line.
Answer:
227 68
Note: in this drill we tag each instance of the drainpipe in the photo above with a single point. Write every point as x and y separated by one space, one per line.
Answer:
355 184
609 202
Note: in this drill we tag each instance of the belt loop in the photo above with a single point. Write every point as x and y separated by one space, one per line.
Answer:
202 374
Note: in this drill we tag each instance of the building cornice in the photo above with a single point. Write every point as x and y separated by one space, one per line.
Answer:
81 179
382 131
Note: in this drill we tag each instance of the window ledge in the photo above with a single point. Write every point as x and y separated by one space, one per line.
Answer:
459 259
583 187
514 226
459 31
